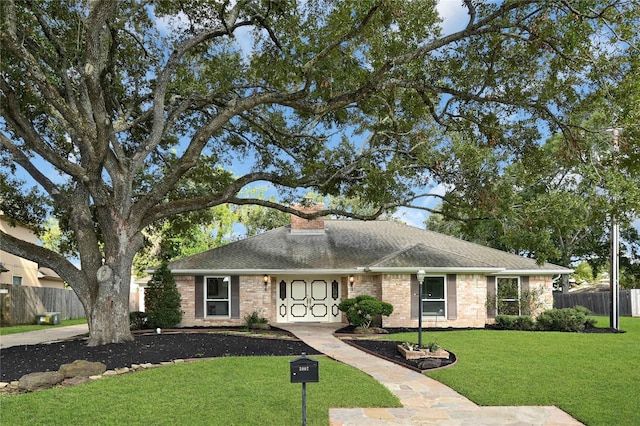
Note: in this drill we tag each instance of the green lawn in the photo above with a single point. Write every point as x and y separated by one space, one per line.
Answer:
222 391
32 327
593 377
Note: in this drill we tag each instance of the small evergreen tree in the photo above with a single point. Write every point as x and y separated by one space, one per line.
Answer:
162 299
362 309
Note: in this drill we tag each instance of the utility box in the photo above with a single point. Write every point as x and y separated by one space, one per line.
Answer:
50 318
304 370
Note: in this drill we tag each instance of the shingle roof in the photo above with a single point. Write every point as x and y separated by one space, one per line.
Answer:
350 244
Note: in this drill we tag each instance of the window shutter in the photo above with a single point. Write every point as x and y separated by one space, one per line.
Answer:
491 295
452 303
234 293
199 295
524 284
414 297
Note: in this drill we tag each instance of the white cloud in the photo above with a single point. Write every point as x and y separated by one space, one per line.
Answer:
453 14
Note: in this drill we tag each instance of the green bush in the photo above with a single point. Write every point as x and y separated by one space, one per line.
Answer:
362 309
137 320
511 322
254 318
162 299
567 319
524 322
504 322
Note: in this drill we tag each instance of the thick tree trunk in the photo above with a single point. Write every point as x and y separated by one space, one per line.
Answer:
108 310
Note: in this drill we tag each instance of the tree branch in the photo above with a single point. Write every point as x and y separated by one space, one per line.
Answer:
44 257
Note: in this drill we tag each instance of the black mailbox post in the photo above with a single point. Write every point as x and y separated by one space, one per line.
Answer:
304 370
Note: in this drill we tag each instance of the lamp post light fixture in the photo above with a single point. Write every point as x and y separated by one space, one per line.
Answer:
421 274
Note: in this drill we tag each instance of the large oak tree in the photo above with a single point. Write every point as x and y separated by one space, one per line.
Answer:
126 113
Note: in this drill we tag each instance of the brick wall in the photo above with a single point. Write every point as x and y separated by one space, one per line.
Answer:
365 284
187 289
471 296
397 291
254 297
546 284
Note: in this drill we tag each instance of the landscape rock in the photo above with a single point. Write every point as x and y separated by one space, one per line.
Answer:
36 381
82 368
78 380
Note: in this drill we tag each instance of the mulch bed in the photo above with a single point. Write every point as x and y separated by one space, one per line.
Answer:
151 348
388 349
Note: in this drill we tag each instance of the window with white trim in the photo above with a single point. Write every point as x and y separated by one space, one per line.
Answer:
216 296
508 295
434 296
17 280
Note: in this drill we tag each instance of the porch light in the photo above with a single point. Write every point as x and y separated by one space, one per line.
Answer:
266 281
351 279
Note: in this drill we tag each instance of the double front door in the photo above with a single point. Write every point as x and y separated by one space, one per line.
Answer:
306 299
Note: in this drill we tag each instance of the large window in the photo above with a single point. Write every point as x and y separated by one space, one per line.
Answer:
433 296
216 290
508 296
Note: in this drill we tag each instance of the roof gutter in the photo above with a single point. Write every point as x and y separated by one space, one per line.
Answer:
280 272
428 270
534 272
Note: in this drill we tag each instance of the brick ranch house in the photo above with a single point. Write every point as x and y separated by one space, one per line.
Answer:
301 272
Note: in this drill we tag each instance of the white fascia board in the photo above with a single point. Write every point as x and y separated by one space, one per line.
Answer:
432 270
278 272
509 272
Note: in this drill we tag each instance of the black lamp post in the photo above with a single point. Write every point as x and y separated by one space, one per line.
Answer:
421 274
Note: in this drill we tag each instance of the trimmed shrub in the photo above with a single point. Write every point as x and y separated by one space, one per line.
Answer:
162 299
567 319
524 322
504 322
137 320
511 322
362 309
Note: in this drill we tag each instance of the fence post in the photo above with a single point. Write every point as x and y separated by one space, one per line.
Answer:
635 302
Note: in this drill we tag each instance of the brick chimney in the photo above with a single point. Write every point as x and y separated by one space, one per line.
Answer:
307 226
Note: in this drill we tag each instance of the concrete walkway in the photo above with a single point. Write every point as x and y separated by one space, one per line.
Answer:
49 335
425 401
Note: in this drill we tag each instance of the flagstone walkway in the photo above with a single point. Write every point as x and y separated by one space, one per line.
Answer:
425 401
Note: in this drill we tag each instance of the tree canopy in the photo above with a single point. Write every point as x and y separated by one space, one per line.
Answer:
128 113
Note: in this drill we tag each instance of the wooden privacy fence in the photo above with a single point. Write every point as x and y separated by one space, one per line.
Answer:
596 302
21 304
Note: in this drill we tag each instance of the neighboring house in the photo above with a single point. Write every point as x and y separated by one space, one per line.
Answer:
19 271
300 273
